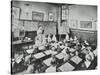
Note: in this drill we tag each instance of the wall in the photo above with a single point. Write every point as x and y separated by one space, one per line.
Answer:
83 13
26 21
38 7
90 36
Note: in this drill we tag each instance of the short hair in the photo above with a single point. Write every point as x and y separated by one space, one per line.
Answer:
53 63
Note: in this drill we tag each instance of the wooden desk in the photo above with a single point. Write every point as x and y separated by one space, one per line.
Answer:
60 56
66 67
30 51
72 50
39 55
47 62
54 52
20 42
48 52
18 46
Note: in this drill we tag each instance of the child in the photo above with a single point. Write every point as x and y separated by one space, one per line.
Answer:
87 62
30 68
52 68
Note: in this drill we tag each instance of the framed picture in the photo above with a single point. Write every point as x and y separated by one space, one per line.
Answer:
53 37
37 16
73 23
15 12
26 15
51 16
86 24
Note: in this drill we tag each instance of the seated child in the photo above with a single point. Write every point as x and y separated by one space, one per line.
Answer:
31 68
87 62
52 68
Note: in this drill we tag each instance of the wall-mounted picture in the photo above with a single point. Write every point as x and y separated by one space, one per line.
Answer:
15 12
51 16
74 23
51 37
86 24
26 15
37 16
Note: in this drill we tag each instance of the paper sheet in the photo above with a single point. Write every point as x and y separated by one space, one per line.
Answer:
48 61
60 56
39 55
47 52
76 59
67 67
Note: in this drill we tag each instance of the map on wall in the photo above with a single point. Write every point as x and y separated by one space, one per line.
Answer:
86 24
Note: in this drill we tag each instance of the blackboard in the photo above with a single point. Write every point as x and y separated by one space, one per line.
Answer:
49 27
30 25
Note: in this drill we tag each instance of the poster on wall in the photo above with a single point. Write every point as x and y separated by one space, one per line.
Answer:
44 54
16 27
51 16
15 13
73 23
26 14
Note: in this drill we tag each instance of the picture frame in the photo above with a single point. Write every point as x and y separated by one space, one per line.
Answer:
51 16
86 24
26 15
15 12
38 16
46 38
74 23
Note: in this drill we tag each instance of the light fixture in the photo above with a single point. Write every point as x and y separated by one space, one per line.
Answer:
27 4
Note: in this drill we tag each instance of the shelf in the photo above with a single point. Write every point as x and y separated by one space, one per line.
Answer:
36 20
